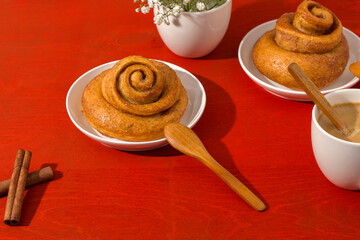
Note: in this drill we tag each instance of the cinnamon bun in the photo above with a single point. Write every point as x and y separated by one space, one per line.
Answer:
312 37
134 100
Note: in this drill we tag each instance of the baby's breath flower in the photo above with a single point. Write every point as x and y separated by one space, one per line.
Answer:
166 21
200 6
167 8
145 9
177 10
152 3
158 20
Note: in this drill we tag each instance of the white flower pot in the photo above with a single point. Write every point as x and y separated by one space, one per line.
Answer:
195 34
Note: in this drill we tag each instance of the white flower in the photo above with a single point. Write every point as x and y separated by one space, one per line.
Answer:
177 10
151 3
200 6
166 21
145 9
158 20
164 9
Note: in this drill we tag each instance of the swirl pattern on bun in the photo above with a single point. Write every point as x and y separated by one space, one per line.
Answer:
312 37
134 100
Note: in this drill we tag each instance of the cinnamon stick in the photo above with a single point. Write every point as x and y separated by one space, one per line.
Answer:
17 188
36 177
13 184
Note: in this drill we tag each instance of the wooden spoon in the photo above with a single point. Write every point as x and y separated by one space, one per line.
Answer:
186 141
355 69
316 96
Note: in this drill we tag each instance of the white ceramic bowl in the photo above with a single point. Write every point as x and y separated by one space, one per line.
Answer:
346 80
195 34
339 160
195 108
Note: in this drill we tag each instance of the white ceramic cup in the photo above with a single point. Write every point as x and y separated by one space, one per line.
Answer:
195 34
339 160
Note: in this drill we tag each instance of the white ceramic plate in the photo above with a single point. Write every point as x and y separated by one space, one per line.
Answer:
195 108
346 80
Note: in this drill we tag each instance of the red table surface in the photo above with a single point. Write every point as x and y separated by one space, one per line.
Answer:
103 193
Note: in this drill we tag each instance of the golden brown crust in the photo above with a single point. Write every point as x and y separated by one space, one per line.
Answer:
292 39
312 37
322 69
114 122
118 86
312 18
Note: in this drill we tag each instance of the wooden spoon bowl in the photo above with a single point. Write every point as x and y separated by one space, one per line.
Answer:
186 141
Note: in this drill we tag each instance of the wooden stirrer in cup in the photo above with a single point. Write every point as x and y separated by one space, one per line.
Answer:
186 141
316 96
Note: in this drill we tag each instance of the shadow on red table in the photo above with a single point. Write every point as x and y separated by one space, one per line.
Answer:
243 20
34 195
217 120
219 124
220 116
357 85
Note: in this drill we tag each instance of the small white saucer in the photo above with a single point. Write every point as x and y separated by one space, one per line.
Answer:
346 80
195 108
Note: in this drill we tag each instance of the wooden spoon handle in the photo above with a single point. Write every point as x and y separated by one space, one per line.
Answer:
238 187
186 141
316 96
